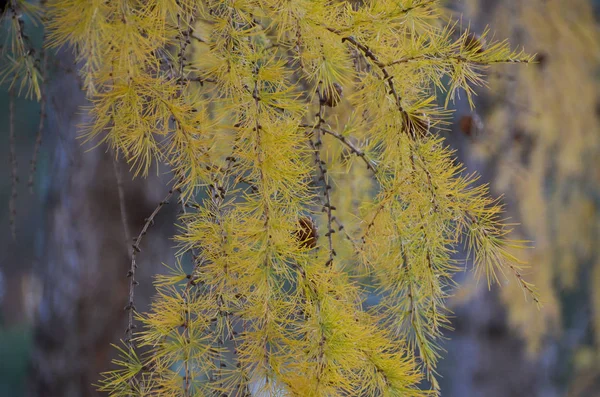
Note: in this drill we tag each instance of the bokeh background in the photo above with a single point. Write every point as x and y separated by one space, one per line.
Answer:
534 137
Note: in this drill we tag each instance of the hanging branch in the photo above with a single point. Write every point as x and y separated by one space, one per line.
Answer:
14 178
305 329
23 54
131 273
316 147
387 77
38 138
348 143
121 192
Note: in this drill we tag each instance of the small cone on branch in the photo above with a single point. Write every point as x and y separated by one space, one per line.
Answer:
306 234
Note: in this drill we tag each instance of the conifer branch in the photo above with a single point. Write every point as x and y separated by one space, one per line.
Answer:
24 60
348 143
358 152
427 351
371 224
266 216
423 4
200 80
316 147
218 193
342 228
387 77
195 36
446 58
497 257
185 335
132 269
184 42
370 165
303 328
328 208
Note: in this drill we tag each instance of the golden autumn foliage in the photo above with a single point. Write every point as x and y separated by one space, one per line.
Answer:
270 113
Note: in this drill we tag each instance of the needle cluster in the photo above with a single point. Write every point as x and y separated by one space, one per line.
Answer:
288 115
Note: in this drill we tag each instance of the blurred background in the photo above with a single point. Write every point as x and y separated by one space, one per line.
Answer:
534 137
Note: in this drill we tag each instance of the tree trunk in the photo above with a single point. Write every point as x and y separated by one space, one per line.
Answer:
86 256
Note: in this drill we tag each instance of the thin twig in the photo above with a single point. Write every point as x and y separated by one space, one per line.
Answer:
370 165
453 57
38 138
123 209
516 272
328 208
195 36
361 154
342 228
131 273
387 77
353 148
424 4
23 48
14 178
266 213
200 80
184 42
316 147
